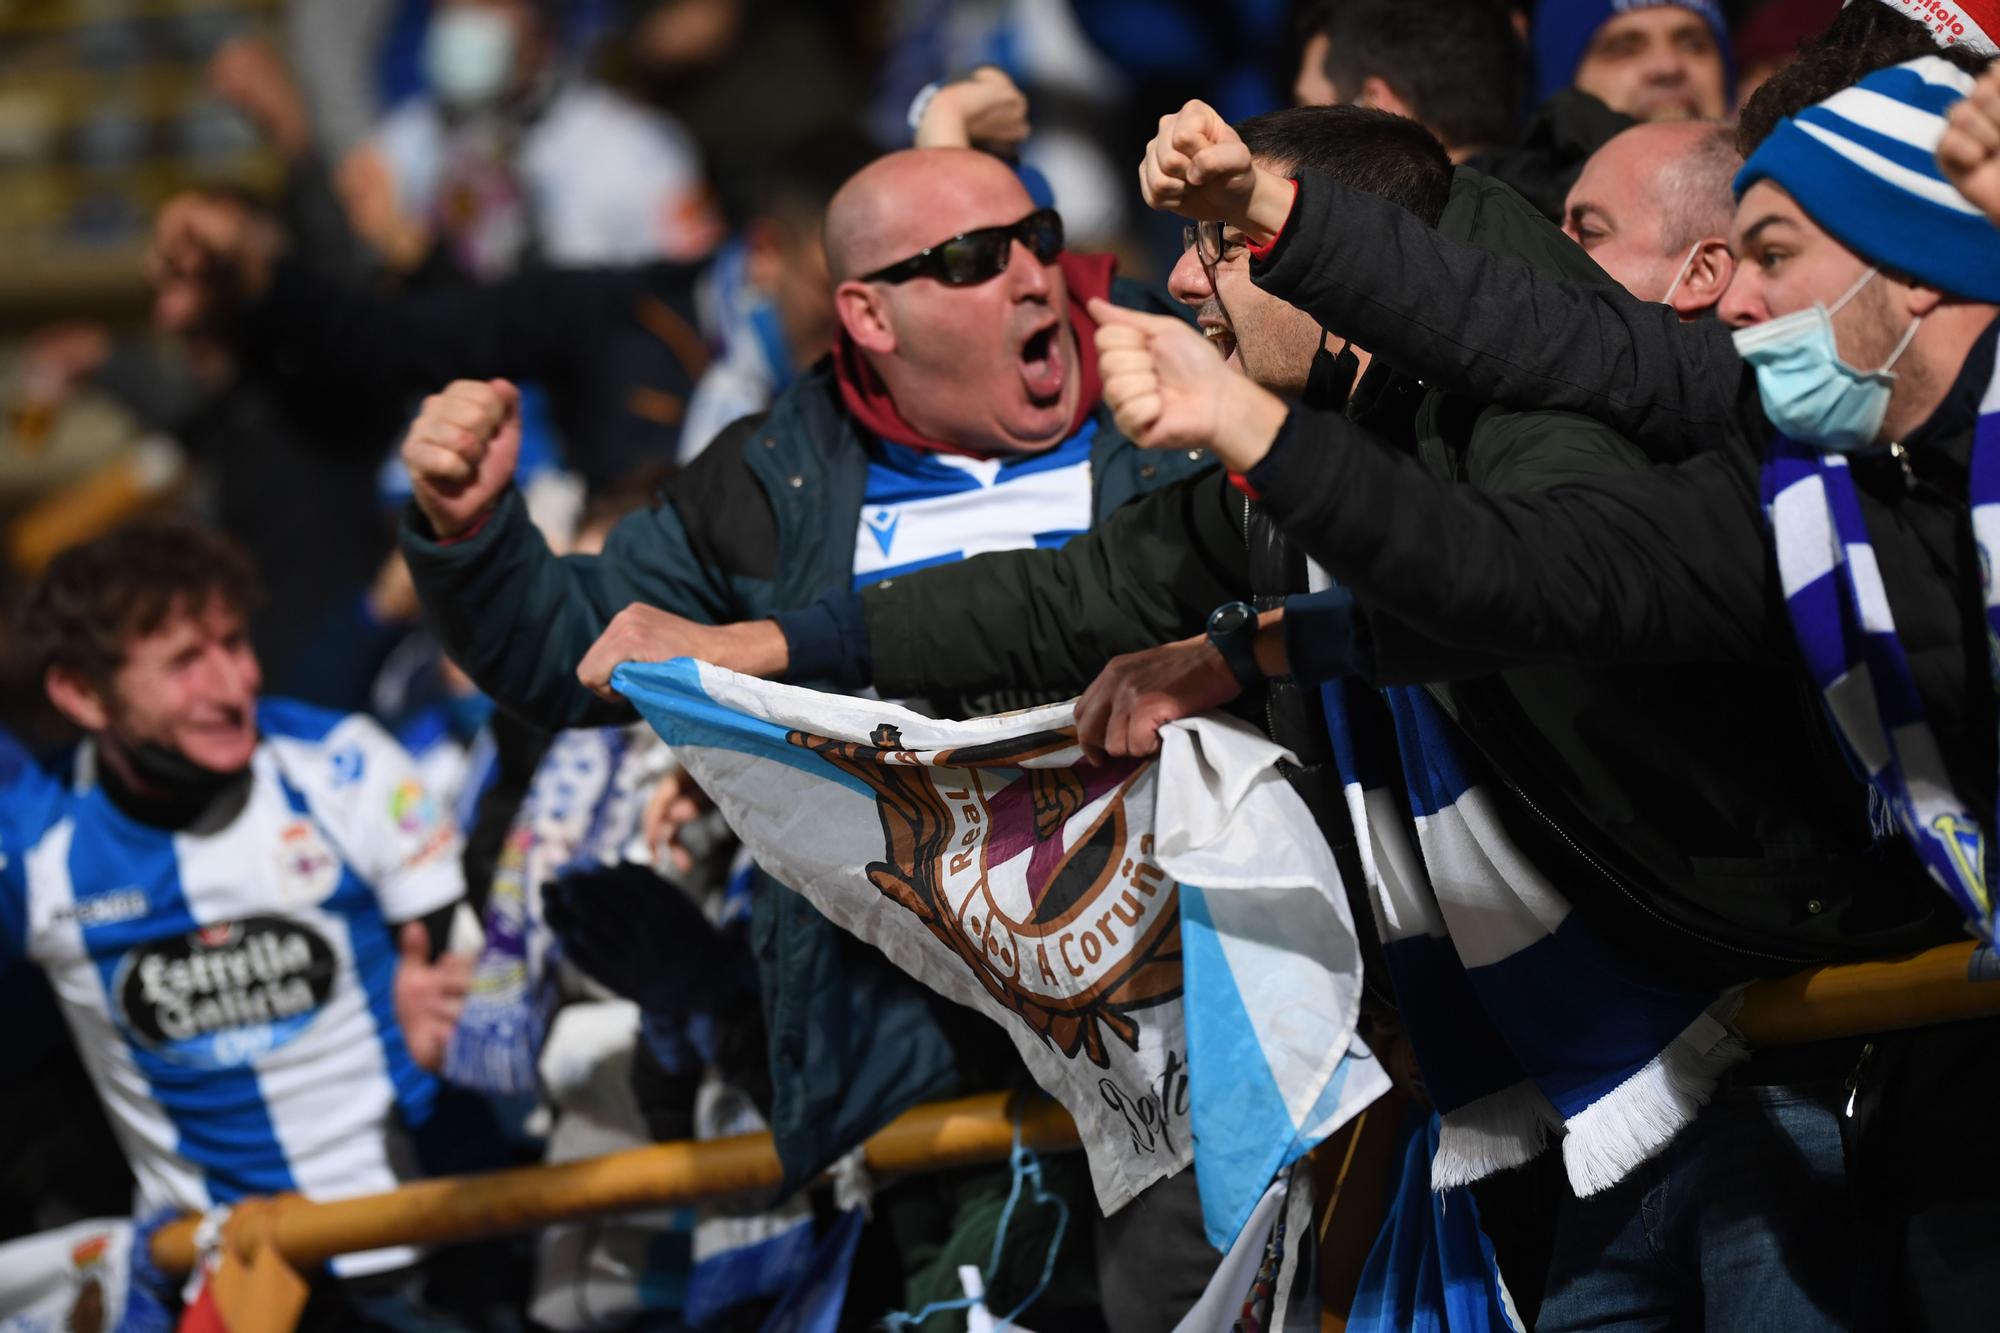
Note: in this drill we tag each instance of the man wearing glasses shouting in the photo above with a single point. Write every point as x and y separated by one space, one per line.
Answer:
958 414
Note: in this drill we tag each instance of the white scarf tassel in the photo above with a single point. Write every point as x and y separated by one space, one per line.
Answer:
1606 1140
1499 1131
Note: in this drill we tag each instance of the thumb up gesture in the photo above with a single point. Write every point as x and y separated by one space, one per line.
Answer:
461 452
1169 390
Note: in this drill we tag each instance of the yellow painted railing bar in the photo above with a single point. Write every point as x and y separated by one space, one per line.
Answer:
1842 999
925 1138
1881 995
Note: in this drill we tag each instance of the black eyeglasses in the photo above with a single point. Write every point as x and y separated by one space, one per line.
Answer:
974 256
1207 241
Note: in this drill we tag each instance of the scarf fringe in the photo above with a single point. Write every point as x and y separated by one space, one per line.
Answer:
1499 1131
1606 1140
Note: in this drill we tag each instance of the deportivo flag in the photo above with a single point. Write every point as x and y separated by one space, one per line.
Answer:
1077 905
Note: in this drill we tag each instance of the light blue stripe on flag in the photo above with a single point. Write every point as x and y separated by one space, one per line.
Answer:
1243 1130
669 695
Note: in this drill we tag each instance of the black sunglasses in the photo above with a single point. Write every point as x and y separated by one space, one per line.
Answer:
974 256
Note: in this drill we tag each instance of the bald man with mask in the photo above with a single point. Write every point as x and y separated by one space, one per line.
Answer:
958 413
1653 208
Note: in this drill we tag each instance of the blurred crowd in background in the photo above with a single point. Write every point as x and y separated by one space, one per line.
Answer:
244 243
416 147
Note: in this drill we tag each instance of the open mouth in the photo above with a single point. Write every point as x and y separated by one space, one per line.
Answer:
1222 338
222 729
1668 104
1041 365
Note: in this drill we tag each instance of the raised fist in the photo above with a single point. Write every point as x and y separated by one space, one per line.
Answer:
1200 168
249 74
1970 151
210 254
1169 390
461 452
985 110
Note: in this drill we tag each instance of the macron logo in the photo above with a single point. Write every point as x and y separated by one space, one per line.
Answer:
109 909
882 524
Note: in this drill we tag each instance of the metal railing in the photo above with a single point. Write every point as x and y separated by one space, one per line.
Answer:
265 1243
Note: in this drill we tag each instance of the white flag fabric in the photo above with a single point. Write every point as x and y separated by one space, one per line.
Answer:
1166 941
78 1276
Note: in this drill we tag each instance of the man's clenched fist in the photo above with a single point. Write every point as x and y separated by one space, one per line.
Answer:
986 110
461 452
210 255
1169 390
1970 150
1198 167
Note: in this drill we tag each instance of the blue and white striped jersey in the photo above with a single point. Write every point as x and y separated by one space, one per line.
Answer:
230 984
922 508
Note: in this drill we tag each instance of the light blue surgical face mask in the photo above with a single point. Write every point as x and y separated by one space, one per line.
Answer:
1809 393
469 55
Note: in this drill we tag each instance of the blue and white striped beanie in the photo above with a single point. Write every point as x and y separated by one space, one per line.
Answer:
1863 165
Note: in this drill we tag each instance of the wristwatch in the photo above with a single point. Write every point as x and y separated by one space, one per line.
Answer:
1232 628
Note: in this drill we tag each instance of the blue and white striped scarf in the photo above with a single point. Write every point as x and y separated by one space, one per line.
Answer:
582 808
1847 635
1522 1019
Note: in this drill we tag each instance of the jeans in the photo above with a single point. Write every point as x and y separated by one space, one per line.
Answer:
1745 1222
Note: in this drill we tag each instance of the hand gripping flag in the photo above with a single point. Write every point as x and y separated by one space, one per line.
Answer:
1166 941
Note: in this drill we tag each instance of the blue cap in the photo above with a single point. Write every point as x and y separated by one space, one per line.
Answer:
1563 30
1863 165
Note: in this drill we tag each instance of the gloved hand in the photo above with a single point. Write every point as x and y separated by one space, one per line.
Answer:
643 938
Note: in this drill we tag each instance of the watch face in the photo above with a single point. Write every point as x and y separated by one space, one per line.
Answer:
1230 618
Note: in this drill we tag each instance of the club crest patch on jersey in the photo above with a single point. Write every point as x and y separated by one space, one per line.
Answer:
308 870
1030 876
221 996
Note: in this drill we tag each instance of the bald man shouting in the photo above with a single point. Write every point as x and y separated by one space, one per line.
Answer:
958 414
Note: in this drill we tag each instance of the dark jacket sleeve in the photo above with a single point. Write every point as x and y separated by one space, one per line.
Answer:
519 618
1051 619
1495 328
317 222
1664 565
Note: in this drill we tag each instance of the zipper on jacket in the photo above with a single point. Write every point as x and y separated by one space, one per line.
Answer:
1902 457
1637 901
1853 1084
